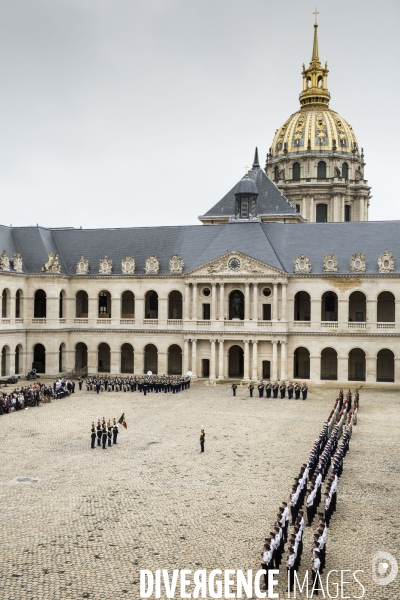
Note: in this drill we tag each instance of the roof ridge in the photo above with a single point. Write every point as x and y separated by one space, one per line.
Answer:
273 248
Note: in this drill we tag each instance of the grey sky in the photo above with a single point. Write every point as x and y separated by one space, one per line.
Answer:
144 112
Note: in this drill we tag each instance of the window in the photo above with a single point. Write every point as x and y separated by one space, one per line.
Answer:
296 171
244 208
322 213
276 174
298 208
206 312
345 170
266 312
347 212
321 170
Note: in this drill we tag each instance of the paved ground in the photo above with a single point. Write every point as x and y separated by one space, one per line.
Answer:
94 518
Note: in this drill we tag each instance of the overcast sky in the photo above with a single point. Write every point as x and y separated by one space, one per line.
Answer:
145 112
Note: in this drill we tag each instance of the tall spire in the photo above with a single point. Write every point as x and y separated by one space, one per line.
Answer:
315 78
256 163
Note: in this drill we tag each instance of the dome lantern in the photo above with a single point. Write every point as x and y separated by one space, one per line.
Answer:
315 78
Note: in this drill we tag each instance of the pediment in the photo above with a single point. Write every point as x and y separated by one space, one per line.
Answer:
234 264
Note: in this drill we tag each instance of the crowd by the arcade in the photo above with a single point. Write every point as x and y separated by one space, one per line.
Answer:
33 395
324 468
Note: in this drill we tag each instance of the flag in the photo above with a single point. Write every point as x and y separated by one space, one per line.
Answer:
122 421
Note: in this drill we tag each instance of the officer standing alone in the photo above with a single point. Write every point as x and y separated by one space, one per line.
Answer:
202 440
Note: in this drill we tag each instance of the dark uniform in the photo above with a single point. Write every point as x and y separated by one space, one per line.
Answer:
260 388
80 381
268 389
304 391
297 390
109 432
202 440
93 435
115 431
104 436
275 389
290 390
234 388
282 388
251 389
98 427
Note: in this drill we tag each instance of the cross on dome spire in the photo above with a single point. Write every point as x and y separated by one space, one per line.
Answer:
315 57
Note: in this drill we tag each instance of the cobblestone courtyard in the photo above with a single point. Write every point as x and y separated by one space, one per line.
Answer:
93 519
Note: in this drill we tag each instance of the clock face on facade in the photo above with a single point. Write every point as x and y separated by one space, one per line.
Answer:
234 264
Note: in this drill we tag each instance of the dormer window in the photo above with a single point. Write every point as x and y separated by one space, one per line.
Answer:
244 208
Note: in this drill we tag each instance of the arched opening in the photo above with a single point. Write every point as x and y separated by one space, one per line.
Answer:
5 299
321 214
5 361
276 173
321 170
39 307
236 362
296 171
62 351
329 364
357 307
356 365
81 356
151 305
18 358
301 366
39 358
104 305
175 305
104 358
61 307
329 307
385 365
81 305
128 305
302 306
386 308
18 304
319 83
345 170
151 359
236 305
174 360
126 358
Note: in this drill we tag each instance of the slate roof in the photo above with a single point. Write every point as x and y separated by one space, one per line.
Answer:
270 199
276 244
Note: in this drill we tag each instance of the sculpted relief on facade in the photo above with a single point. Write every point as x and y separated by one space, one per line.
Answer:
302 264
128 265
52 265
330 264
82 266
386 262
176 264
17 262
105 266
152 266
4 261
357 263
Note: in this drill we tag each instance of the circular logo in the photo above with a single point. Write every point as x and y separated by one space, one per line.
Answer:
149 373
234 264
384 568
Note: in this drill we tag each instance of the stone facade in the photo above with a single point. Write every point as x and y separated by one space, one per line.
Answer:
287 321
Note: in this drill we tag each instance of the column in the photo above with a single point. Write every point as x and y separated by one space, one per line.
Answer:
185 357
11 360
372 313
186 300
274 316
246 301
284 302
311 215
212 360
194 302
397 314
283 360
343 313
194 358
115 362
315 367
370 368
397 369
246 376
315 312
255 302
52 309
162 363
213 301
255 360
342 367
221 360
92 361
162 311
143 362
274 360
139 309
222 301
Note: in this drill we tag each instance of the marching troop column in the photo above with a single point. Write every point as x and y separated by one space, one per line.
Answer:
246 301
255 360
212 361
194 358
246 360
274 360
221 360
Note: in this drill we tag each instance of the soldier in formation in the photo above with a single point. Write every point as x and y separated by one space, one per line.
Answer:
140 383
104 432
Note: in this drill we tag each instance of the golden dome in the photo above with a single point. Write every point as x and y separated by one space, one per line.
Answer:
314 128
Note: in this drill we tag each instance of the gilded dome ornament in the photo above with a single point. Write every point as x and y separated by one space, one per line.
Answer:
330 264
302 264
386 262
358 263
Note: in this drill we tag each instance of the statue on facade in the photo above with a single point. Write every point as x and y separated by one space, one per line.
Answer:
17 263
4 261
52 265
236 306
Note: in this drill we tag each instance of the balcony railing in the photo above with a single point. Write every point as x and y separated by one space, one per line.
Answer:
127 321
103 321
301 323
150 322
19 320
265 323
386 325
329 324
62 321
81 321
176 322
39 321
357 325
204 323
5 321
234 323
